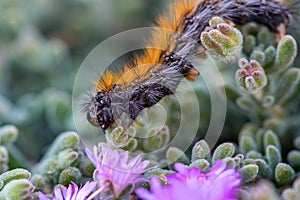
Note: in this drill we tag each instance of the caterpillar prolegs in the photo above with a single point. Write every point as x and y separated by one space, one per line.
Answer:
157 72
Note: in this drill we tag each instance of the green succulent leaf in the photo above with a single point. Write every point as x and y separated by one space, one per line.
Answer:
258 55
249 172
38 181
247 144
20 189
230 162
66 158
13 175
176 155
8 134
251 78
270 53
270 138
286 53
132 145
284 174
250 42
273 156
293 158
264 169
3 159
253 154
222 151
201 150
215 21
247 104
68 175
156 139
287 85
201 164
264 36
223 41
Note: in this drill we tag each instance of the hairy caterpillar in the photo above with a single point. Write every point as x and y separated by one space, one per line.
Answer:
157 72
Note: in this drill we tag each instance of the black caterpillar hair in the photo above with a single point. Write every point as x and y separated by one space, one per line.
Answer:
135 88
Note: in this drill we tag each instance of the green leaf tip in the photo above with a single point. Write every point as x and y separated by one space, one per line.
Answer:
8 134
201 150
251 77
223 151
223 41
215 21
68 175
14 174
201 164
284 174
258 55
273 156
66 158
287 85
286 52
4 158
264 169
293 158
247 144
270 138
119 136
156 139
249 172
38 181
176 155
19 189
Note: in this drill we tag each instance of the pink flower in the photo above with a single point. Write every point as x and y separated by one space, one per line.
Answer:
117 168
218 184
85 192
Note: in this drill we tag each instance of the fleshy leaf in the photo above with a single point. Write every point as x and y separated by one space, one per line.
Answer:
249 172
284 174
273 156
201 150
222 151
174 154
247 144
286 53
68 175
201 164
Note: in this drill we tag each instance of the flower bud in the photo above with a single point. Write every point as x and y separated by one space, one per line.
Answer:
251 77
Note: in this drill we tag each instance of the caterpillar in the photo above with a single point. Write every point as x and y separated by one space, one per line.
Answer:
157 72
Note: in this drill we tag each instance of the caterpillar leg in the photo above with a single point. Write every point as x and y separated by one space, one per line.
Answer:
280 32
192 74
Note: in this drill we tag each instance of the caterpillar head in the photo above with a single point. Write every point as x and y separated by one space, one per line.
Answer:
99 112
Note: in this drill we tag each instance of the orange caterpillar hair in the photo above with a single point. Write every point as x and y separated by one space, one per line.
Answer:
142 65
157 72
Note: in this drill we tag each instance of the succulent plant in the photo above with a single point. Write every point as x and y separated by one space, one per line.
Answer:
43 44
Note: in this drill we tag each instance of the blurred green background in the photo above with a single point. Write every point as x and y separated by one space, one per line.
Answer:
42 44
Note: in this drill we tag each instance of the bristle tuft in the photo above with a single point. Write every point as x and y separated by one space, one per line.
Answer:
107 81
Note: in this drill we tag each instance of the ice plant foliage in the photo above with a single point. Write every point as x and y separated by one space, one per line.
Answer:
73 192
117 168
190 183
250 76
